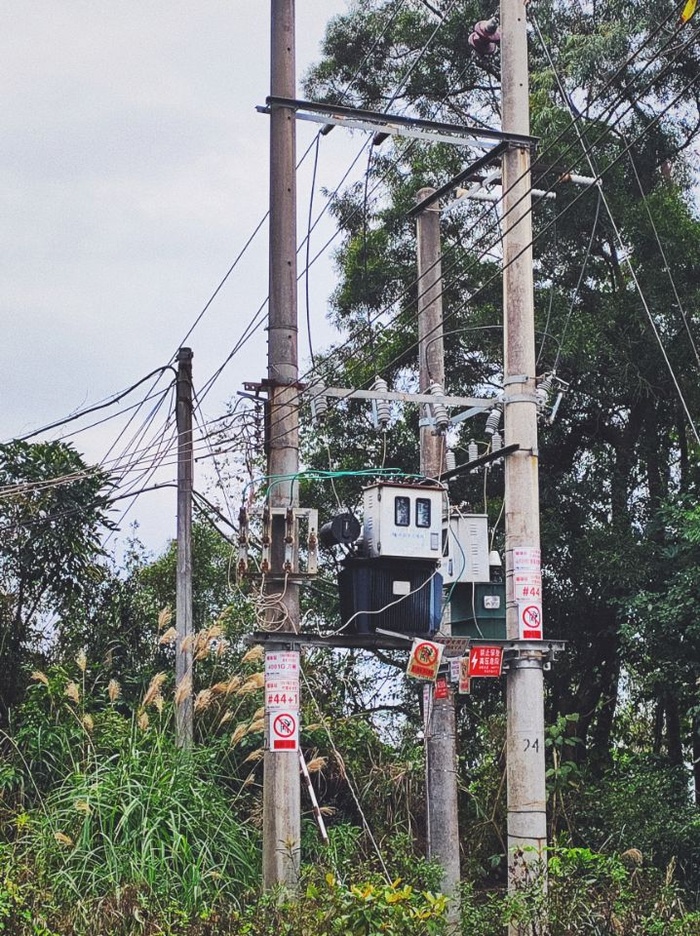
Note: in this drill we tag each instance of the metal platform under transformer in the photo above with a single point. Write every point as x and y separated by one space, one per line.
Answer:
546 650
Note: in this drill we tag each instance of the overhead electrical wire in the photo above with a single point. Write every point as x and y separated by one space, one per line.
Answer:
596 142
358 71
396 94
253 327
667 265
627 258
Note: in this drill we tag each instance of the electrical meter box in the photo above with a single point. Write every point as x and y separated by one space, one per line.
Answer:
392 594
466 548
478 609
403 521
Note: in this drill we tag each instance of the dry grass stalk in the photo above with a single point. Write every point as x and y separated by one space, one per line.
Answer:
40 677
203 700
240 732
204 640
254 655
187 644
73 692
165 616
255 756
83 806
341 765
233 684
257 725
252 684
88 723
222 646
169 637
114 690
318 763
226 717
184 690
142 720
153 690
62 838
81 660
258 713
249 779
328 810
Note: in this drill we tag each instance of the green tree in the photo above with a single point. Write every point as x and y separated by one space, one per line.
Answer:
52 513
622 446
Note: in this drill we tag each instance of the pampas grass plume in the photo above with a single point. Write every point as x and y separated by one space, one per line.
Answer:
72 692
114 690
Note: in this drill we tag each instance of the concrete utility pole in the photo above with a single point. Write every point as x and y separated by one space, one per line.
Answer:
281 784
183 599
527 825
440 728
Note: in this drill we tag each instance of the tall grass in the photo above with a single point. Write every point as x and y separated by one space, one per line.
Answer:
112 826
147 821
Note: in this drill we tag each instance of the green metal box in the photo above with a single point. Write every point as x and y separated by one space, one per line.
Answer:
478 609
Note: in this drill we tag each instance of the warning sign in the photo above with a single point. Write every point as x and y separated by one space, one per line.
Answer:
441 691
465 685
485 661
530 619
284 731
424 660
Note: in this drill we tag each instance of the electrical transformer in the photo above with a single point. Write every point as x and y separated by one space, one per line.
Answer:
401 595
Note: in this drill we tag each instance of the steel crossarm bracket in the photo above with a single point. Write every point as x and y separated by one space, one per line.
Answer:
430 131
399 396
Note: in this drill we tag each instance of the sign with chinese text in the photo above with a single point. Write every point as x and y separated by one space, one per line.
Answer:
282 681
485 661
424 661
465 686
282 665
526 559
441 690
527 586
281 694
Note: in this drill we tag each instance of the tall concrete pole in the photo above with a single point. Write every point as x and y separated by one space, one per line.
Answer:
183 585
440 728
281 783
527 824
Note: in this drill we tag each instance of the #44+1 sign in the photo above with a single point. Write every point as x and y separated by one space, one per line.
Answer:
282 699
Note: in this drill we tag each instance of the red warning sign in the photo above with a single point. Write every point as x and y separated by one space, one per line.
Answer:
530 618
424 661
465 686
441 691
485 661
284 731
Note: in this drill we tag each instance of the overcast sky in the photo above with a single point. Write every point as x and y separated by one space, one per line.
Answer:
133 169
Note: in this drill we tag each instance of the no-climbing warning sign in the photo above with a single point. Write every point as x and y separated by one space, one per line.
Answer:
530 618
284 731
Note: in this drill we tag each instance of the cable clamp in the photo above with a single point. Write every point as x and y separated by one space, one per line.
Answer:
516 378
520 398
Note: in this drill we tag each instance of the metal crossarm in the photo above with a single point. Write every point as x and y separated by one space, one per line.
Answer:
374 121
